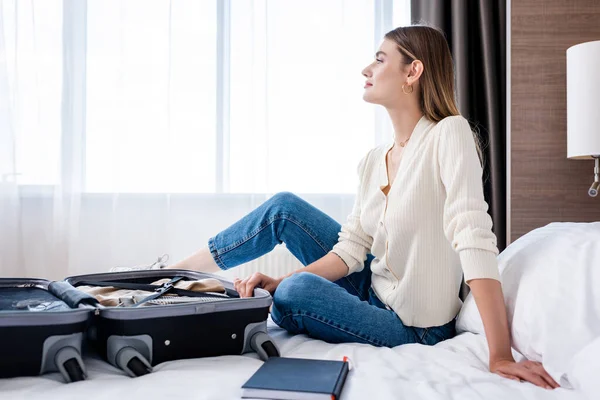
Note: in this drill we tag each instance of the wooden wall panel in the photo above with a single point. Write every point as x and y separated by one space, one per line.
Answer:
545 185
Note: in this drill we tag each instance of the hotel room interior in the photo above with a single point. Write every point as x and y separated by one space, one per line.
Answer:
134 129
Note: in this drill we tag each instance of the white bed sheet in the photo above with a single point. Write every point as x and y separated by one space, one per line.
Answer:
453 369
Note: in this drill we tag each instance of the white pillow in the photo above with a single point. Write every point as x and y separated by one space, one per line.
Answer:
551 283
583 370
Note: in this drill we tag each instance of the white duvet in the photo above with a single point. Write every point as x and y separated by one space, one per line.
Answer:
454 369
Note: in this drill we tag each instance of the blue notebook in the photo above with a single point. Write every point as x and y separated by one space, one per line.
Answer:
297 379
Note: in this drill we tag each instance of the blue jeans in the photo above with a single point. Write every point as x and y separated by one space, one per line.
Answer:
346 310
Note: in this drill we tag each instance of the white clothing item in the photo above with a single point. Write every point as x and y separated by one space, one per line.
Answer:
433 221
158 264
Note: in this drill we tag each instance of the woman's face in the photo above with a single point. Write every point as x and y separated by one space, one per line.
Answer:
385 77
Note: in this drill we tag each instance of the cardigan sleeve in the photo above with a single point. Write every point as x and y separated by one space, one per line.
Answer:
354 243
467 225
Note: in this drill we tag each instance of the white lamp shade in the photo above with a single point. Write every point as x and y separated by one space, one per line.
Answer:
583 100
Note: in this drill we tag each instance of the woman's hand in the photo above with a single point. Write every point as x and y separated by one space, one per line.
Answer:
530 371
246 286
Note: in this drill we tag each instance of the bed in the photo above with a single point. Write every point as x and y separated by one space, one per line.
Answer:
549 277
453 369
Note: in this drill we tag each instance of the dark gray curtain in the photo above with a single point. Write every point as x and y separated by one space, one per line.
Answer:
476 33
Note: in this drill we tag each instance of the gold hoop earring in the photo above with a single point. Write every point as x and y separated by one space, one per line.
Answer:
404 87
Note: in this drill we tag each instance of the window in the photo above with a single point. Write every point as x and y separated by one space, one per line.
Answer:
33 47
188 96
151 104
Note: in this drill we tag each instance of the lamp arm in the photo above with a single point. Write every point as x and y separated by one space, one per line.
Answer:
593 190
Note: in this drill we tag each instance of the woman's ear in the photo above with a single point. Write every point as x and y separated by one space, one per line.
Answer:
415 72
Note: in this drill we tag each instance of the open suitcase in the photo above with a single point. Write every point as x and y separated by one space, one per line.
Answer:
132 338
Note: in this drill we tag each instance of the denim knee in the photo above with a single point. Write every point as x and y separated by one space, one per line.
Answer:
294 291
283 199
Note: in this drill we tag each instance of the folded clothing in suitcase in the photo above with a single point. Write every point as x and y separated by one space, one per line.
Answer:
137 294
39 332
135 338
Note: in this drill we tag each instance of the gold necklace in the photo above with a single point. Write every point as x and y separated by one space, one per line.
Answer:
402 144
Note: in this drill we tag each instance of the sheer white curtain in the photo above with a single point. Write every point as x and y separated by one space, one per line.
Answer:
133 128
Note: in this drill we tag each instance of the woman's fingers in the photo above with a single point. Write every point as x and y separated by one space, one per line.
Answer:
255 280
526 370
246 286
240 286
532 377
540 370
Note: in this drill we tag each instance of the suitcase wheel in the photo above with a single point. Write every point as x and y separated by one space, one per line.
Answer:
67 360
73 369
262 344
270 349
138 367
130 360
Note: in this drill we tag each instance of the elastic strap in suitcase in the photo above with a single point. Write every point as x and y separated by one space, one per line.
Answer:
167 287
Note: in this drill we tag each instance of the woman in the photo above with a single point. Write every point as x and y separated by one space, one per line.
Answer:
391 274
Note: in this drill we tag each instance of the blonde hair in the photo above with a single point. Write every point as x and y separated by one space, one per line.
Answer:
436 92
